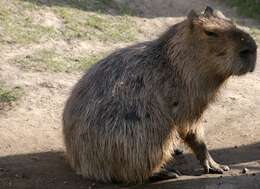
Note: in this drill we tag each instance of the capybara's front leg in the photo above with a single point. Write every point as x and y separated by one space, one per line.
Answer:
194 139
197 144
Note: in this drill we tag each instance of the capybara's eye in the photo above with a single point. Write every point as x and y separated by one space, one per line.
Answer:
210 33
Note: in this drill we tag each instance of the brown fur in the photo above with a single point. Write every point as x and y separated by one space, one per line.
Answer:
124 117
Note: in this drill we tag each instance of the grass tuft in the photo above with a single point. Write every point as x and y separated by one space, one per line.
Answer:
99 27
8 95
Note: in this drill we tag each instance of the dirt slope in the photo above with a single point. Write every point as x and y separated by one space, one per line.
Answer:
31 148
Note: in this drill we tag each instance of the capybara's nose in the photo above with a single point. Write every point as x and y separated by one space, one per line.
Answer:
247 51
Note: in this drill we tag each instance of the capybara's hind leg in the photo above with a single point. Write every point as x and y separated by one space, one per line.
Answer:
164 174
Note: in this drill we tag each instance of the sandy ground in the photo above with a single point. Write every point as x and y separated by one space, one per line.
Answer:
31 148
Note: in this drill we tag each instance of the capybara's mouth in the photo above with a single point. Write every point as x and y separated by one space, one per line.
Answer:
252 68
248 67
251 63
248 63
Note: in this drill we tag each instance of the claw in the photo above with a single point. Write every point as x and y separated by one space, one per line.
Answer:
225 167
210 166
216 170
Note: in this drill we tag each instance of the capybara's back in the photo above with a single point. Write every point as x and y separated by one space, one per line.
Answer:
125 115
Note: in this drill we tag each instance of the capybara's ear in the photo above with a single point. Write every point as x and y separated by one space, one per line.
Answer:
208 12
220 15
192 15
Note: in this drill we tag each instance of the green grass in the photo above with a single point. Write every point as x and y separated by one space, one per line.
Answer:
86 21
96 26
17 25
249 8
81 19
49 60
8 95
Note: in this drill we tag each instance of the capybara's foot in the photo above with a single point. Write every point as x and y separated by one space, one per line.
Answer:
210 166
164 174
173 170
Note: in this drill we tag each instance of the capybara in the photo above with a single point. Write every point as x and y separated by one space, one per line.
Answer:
126 114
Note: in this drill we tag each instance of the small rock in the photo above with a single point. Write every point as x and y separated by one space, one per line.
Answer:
46 85
65 182
232 98
24 176
35 158
253 174
235 146
245 170
21 176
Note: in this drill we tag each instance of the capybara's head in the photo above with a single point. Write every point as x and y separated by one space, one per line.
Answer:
221 47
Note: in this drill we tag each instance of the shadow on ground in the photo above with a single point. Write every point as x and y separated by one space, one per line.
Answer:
49 170
230 182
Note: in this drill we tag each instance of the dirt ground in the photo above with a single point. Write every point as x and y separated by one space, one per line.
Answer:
31 147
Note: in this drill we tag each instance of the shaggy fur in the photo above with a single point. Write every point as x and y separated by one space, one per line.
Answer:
124 117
